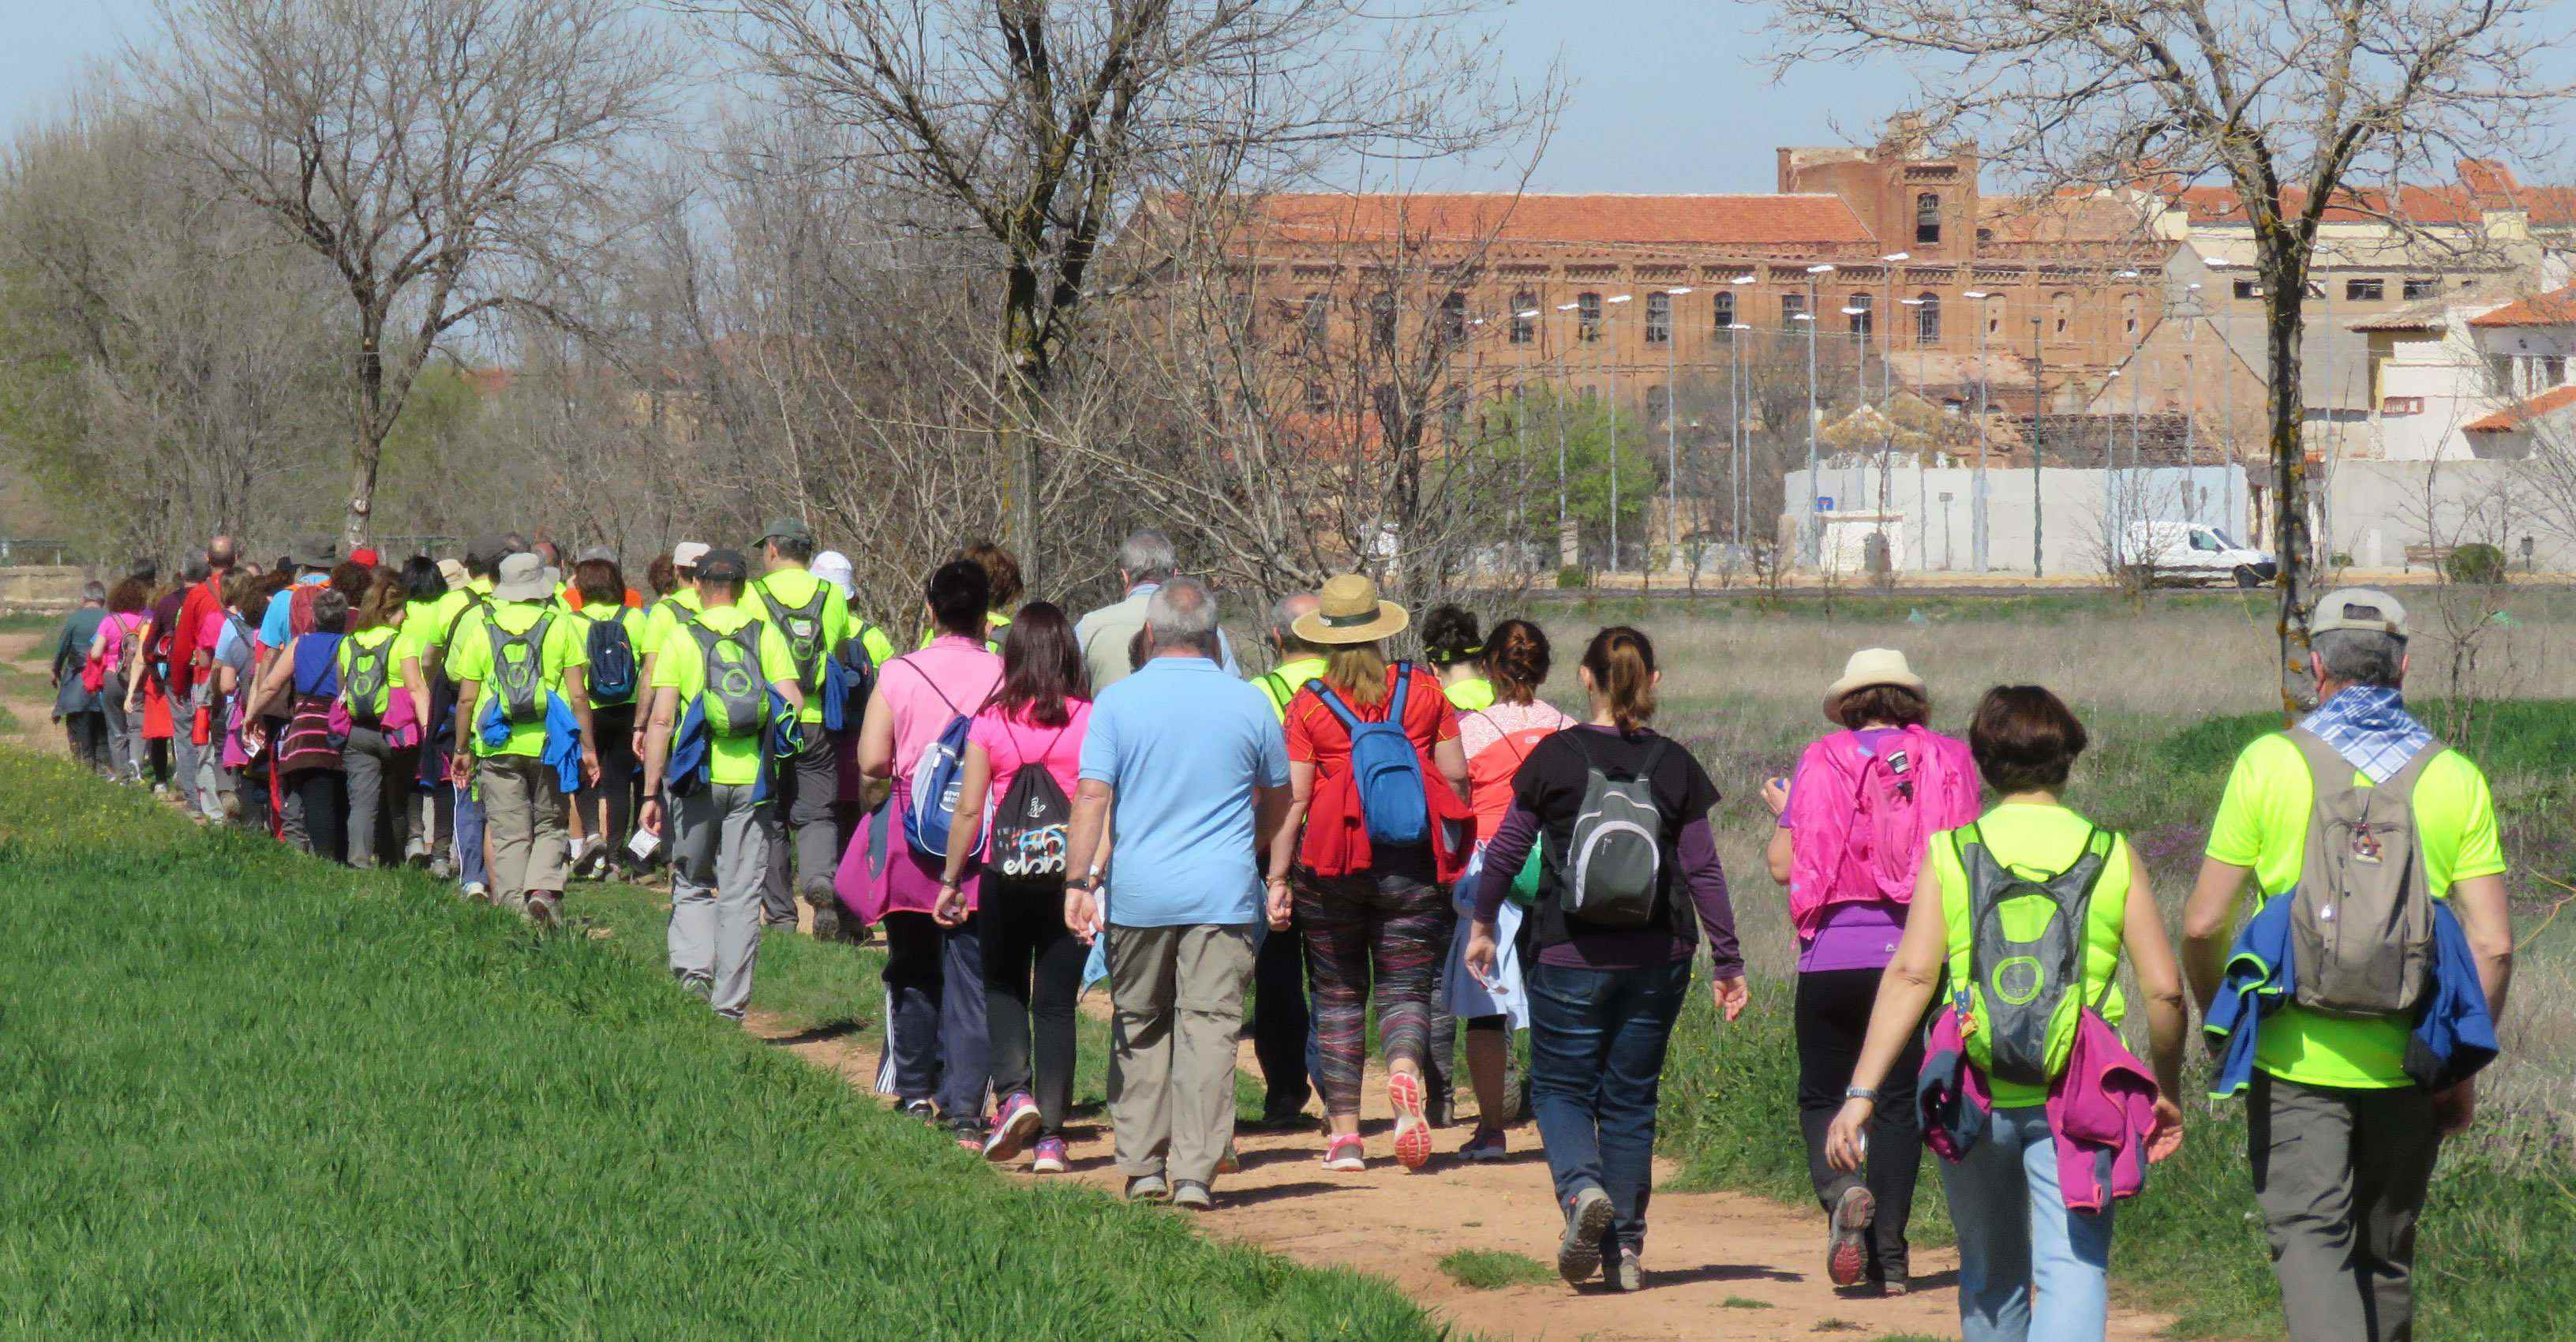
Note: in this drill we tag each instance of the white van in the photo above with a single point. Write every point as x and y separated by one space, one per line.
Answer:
2192 552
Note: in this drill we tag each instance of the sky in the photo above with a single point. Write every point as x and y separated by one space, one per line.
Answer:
1666 95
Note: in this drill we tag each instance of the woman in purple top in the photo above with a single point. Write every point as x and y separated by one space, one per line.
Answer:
1602 999
1853 821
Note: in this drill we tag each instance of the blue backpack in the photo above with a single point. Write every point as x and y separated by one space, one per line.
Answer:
612 661
1384 766
936 778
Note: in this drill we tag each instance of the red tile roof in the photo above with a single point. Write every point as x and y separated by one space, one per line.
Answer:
2484 185
1680 220
2556 308
2519 416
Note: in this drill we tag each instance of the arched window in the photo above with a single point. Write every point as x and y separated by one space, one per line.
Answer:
2061 314
1927 319
2131 306
1659 319
1524 328
1587 311
1860 318
1994 314
1453 318
1927 217
1319 313
1722 310
1382 317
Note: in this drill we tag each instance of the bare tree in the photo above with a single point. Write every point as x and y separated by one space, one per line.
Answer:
1040 126
443 156
2297 105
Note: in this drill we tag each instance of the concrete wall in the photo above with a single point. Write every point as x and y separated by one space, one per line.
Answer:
2376 509
41 586
1929 516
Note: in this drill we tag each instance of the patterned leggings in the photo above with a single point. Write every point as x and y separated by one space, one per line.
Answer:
1389 926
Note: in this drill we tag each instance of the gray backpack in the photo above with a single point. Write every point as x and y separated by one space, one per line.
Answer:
736 694
2022 982
370 669
1614 856
519 668
2361 919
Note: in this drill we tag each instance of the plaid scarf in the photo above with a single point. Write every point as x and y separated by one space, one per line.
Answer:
2370 727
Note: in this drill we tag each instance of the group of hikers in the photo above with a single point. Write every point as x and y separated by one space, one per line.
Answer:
1022 804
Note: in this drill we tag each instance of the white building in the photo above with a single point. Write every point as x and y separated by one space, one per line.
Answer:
2471 375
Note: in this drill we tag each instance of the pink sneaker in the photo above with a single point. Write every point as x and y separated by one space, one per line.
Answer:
1049 1157
1412 1129
1345 1154
1013 1125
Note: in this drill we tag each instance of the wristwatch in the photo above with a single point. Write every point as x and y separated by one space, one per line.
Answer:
1869 1093
1089 885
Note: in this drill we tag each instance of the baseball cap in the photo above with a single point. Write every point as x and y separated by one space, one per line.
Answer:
723 566
788 529
489 549
2366 609
364 554
686 554
833 567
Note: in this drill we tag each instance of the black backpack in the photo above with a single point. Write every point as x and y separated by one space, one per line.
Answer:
612 662
1031 821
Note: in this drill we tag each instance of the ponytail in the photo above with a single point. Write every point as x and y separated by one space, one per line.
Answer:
1516 661
1622 663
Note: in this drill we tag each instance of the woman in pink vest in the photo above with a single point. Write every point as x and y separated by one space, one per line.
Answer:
1853 822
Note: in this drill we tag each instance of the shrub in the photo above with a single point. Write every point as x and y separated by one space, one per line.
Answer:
1572 578
2475 563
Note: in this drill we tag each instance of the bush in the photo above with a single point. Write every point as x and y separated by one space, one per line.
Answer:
1572 578
2478 563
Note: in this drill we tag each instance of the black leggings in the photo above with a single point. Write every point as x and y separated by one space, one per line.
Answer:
1032 974
326 811
1832 1016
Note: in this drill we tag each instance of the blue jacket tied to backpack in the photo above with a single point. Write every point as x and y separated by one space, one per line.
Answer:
1386 771
563 738
2454 1034
692 748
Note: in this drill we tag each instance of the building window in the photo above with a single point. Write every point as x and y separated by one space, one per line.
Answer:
1587 312
1659 404
2401 405
1453 318
1590 396
2130 306
1995 314
2061 315
1382 317
2364 291
1792 307
2553 371
1659 319
2248 289
1860 318
1927 218
1722 310
1318 400
1927 319
1524 328
2500 374
1318 314
2419 286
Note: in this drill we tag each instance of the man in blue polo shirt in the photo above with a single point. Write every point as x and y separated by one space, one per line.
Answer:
1187 766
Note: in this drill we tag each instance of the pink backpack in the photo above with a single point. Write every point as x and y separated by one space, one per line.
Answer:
1858 821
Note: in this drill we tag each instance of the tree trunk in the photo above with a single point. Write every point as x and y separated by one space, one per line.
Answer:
1024 373
2283 328
369 450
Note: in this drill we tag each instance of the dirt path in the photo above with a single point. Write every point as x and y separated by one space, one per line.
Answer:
1717 1264
34 715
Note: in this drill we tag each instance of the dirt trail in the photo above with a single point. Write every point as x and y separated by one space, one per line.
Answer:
34 714
1717 1264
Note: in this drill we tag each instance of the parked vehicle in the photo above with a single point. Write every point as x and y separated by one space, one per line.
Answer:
2189 552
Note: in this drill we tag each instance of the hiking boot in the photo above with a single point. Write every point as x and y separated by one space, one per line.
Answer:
439 867
474 891
1048 1157
1412 1127
1013 1125
1484 1144
542 910
920 1109
1847 1237
1280 1116
818 896
1346 1154
1587 1219
1191 1195
1148 1188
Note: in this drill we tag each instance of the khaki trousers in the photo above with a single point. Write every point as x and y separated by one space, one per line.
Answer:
1176 997
524 815
2341 1177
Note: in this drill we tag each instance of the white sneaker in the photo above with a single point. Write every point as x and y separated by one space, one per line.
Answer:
474 890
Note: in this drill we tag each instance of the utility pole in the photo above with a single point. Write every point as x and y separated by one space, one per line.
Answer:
2190 420
1812 525
1672 421
1609 348
1977 491
2038 415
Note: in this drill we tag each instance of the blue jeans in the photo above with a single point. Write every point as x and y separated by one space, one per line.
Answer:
1597 1042
469 839
2016 1235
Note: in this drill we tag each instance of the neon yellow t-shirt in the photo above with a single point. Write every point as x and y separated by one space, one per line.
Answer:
1471 694
629 616
1281 683
470 660
2262 823
665 616
792 589
372 639
682 666
993 623
2039 842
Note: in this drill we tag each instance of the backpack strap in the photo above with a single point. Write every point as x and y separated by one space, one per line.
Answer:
1324 692
1280 694
934 685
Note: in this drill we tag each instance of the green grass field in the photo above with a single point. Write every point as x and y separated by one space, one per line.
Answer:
244 1095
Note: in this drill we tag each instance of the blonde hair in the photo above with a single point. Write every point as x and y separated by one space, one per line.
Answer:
1357 672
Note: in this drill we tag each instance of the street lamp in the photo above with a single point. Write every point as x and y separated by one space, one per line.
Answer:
1815 537
1977 532
1922 487
1608 348
1741 448
1672 424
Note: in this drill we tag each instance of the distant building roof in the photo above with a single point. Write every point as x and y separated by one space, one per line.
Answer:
1710 220
2555 308
2484 185
2520 416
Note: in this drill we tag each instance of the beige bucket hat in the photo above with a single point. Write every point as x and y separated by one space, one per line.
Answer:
1868 667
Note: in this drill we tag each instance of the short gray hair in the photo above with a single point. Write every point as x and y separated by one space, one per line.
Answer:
1283 622
2361 657
1147 556
1182 614
94 593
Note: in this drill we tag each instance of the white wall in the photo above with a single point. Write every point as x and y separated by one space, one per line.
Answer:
2078 513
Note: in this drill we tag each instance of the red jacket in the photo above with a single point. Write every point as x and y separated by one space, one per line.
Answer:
203 600
1336 841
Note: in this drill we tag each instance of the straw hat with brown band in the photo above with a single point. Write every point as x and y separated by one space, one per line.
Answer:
1347 610
1868 667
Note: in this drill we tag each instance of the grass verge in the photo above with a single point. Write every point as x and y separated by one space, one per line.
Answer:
242 1094
1494 1269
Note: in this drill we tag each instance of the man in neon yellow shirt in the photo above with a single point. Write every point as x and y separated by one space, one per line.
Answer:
815 619
469 585
2342 1141
521 648
721 832
667 614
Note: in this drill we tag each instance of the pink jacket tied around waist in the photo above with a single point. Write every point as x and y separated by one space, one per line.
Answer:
2101 1110
1854 835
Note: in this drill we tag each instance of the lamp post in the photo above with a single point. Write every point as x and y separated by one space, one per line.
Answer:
1977 527
1608 349
2190 420
1922 486
1887 338
1810 527
2038 414
1560 452
1860 357
1739 439
1672 424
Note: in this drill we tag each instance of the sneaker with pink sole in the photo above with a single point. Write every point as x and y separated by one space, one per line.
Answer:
1048 1156
1014 1124
1404 1095
1346 1154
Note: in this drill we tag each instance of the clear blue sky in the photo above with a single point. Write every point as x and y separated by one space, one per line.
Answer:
1665 97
